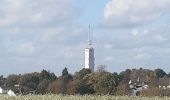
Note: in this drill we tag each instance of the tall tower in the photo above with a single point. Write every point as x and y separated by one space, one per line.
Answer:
89 54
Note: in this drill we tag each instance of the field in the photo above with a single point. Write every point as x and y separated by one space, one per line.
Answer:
60 97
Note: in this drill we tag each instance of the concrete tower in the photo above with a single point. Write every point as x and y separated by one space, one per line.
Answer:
89 54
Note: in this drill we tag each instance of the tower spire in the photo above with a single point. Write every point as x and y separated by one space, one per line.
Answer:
89 36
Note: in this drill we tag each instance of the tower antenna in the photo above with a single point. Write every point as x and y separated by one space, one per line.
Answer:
89 36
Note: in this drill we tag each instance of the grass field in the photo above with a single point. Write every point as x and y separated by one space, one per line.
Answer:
60 97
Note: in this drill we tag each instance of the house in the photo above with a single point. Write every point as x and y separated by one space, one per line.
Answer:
11 93
164 83
6 91
136 86
168 86
1 90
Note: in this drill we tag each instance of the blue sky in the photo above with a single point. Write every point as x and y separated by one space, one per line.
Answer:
52 34
92 10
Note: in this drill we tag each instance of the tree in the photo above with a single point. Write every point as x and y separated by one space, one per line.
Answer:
44 75
104 83
12 80
71 89
29 82
122 89
53 76
152 80
56 87
2 80
160 73
83 88
81 82
125 75
116 78
169 74
101 68
65 72
42 87
60 85
82 73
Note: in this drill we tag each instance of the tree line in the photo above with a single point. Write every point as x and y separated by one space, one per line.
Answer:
85 82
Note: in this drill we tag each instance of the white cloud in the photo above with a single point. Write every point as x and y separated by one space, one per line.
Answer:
54 47
136 38
35 12
36 34
25 49
145 47
129 13
135 32
108 59
108 46
142 56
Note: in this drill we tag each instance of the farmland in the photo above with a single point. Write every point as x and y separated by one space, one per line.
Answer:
92 97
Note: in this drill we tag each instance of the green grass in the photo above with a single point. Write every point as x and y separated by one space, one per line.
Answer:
60 97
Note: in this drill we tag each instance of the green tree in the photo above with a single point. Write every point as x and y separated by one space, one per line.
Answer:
29 82
105 83
169 74
44 75
82 73
64 72
84 88
116 78
160 73
81 82
125 75
2 80
53 76
12 80
42 87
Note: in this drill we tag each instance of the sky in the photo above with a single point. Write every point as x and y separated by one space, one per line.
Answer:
52 34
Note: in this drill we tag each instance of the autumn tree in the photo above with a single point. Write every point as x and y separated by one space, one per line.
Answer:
60 86
122 89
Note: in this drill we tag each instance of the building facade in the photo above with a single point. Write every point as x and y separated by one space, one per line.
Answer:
89 58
